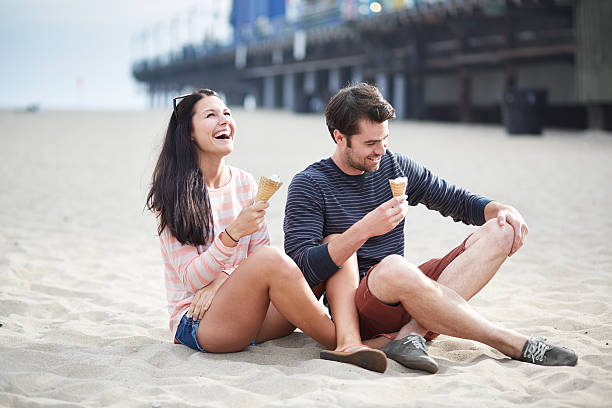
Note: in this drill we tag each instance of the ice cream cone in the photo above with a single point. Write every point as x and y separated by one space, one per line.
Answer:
267 187
398 186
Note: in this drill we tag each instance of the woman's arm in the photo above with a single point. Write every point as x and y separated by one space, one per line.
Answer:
260 238
204 297
195 270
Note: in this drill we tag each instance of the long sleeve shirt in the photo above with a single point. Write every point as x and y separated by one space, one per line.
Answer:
323 200
188 267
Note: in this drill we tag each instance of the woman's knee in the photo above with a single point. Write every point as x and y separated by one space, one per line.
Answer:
274 261
268 253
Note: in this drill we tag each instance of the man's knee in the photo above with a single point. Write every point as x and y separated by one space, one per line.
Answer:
499 239
395 277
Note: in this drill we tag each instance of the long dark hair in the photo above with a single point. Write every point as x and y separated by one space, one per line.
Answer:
178 193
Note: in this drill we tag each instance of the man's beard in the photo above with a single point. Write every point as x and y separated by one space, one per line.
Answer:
363 165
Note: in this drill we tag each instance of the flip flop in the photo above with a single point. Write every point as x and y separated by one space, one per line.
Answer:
364 357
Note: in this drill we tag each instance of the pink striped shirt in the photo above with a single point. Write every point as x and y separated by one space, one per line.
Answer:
188 267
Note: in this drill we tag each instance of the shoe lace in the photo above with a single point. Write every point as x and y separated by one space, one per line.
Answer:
536 349
417 341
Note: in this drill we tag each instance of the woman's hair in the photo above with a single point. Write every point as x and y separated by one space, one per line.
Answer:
355 102
178 193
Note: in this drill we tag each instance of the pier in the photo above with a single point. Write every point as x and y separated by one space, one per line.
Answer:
444 60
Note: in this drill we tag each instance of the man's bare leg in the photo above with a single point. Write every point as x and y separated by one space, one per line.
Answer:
486 250
441 309
437 307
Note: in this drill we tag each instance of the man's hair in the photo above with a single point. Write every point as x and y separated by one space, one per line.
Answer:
353 103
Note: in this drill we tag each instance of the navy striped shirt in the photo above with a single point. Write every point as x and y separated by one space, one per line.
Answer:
323 200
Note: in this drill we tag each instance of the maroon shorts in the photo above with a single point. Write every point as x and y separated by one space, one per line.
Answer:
376 317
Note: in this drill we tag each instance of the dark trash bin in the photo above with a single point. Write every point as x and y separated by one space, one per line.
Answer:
524 111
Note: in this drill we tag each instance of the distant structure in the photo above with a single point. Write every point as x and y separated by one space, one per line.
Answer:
447 60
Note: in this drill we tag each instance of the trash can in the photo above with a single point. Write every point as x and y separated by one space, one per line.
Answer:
524 111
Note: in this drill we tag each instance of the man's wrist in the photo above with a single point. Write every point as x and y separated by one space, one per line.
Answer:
491 210
360 231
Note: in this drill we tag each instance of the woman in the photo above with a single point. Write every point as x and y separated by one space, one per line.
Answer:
226 287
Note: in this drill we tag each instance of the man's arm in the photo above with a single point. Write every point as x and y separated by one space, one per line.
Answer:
303 228
450 200
425 187
304 225
508 214
377 222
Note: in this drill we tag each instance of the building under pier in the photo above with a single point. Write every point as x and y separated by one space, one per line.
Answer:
451 60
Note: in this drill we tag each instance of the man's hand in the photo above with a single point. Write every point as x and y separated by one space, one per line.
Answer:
379 221
385 217
203 298
508 214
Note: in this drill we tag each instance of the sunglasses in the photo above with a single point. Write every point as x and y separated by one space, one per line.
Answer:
174 103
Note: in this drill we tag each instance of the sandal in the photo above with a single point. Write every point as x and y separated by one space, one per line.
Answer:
363 356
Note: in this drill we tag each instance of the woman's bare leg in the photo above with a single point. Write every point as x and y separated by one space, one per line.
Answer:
274 326
341 297
241 305
340 289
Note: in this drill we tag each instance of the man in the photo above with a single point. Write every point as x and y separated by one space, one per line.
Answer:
340 213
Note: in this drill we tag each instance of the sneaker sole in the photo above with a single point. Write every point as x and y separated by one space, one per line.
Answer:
416 364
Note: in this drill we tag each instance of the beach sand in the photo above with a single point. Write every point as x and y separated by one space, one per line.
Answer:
82 299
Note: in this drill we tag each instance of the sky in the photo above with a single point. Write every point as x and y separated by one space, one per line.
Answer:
67 54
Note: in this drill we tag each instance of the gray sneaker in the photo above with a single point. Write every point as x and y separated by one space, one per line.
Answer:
536 351
411 352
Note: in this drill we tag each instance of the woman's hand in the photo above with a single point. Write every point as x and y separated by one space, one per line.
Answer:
203 298
249 220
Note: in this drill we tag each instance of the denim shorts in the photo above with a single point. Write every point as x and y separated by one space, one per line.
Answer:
186 333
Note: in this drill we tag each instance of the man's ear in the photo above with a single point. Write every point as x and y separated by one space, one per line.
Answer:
338 136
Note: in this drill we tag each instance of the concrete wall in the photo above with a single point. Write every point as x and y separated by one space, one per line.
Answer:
558 78
593 51
442 89
487 87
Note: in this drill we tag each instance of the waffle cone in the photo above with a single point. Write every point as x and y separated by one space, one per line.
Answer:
397 189
267 188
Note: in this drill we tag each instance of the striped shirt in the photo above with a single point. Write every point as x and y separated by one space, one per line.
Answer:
188 267
323 200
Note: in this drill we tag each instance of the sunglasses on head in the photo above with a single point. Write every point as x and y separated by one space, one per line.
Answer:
174 103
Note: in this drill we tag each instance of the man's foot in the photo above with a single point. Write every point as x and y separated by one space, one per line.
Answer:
536 351
411 352
360 355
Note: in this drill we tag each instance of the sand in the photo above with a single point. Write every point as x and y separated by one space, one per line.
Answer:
82 301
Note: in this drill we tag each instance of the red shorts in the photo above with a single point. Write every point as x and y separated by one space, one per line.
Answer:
376 317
